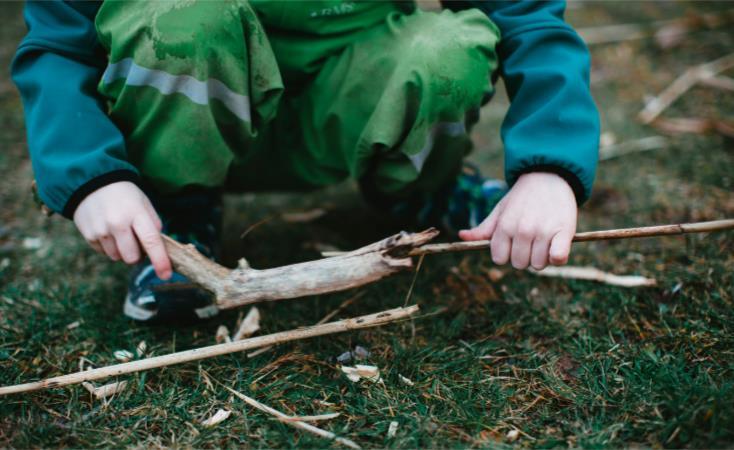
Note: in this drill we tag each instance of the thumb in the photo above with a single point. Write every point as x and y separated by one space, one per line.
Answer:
484 230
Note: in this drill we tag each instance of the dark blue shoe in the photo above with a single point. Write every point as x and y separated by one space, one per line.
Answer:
464 203
192 218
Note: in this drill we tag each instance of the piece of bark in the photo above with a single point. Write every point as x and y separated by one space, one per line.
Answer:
250 324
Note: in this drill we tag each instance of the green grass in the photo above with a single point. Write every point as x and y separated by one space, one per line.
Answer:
567 363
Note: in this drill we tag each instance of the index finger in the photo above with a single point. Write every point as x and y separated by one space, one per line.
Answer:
151 241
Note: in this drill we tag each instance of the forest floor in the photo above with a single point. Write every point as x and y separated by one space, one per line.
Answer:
563 362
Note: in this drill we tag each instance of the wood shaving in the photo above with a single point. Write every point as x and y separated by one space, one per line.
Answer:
249 325
594 274
356 373
220 416
222 335
512 435
392 429
123 355
141 349
108 390
406 381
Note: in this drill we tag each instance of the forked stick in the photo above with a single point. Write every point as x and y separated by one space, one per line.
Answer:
242 286
371 320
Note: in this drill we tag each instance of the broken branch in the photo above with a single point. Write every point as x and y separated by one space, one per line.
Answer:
371 320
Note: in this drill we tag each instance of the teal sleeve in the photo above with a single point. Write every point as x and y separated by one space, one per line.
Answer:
552 124
74 147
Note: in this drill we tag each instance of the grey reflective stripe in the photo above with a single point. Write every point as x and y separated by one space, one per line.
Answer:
197 91
452 129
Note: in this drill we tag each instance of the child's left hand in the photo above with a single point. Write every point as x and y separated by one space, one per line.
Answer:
534 224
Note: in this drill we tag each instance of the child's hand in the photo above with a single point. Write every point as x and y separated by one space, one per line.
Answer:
115 218
534 223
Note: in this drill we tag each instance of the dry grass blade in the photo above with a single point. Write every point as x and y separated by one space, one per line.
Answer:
294 423
108 390
220 416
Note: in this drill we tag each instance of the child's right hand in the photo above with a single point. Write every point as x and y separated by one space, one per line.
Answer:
117 219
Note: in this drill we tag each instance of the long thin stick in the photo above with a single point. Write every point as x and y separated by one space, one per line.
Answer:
622 233
288 420
371 320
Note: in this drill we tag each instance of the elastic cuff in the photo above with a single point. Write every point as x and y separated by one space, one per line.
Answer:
94 184
578 188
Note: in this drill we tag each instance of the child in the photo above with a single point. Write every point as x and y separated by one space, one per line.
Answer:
136 109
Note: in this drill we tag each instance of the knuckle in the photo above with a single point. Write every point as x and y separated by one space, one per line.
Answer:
525 231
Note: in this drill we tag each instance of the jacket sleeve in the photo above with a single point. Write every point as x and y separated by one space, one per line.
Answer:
74 147
552 124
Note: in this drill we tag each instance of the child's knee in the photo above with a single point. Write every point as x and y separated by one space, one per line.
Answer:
454 54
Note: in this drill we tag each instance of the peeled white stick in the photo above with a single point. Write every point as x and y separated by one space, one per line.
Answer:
294 423
594 274
368 321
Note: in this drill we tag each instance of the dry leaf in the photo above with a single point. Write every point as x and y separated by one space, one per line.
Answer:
356 373
249 325
495 274
218 417
222 335
123 355
392 429
405 380
108 390
594 274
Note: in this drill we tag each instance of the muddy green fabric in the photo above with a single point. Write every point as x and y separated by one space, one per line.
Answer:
294 95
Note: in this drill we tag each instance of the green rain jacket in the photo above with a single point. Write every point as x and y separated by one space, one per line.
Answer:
552 124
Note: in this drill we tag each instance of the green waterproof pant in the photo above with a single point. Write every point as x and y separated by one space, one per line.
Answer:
294 95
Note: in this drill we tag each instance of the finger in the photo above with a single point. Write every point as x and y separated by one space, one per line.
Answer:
560 248
128 246
153 214
539 253
152 243
109 247
484 230
520 253
500 247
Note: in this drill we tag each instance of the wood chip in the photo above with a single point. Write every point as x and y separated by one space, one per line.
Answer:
594 274
220 416
123 355
141 349
222 335
392 429
108 390
512 435
406 381
250 324
359 371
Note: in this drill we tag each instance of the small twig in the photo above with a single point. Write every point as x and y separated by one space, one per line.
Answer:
368 321
289 420
594 274
682 84
622 233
